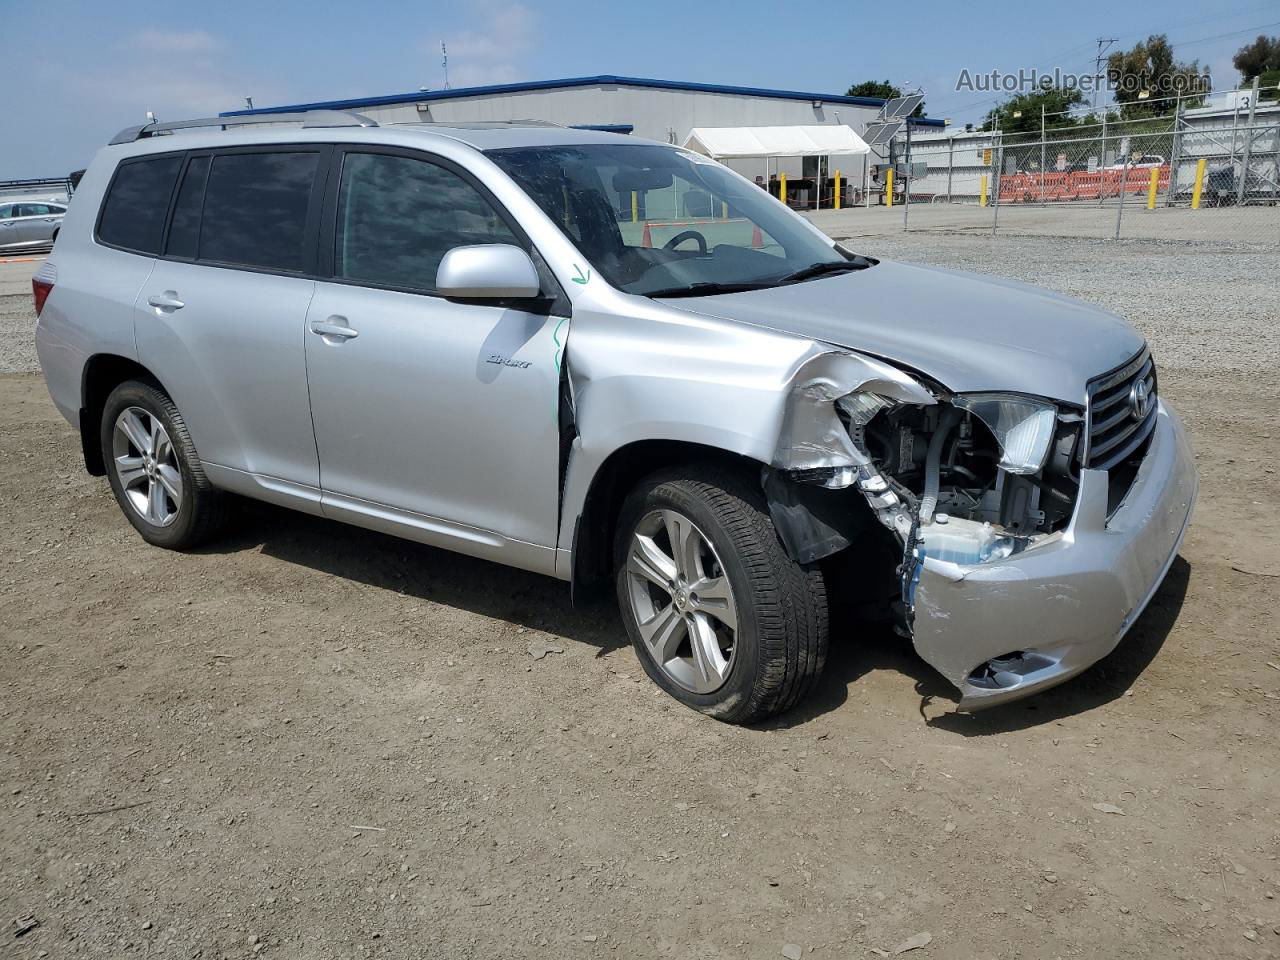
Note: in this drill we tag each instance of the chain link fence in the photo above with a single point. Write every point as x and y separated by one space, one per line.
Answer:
1162 179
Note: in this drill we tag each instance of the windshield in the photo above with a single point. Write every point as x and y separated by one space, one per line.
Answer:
659 221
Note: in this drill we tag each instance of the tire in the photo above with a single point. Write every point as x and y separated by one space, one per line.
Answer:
773 657
144 484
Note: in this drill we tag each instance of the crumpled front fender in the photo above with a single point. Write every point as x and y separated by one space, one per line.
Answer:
812 435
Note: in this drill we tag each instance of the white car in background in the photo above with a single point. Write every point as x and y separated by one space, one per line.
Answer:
30 223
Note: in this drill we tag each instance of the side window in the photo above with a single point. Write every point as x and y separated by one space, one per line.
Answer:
6 211
136 203
185 225
255 209
398 217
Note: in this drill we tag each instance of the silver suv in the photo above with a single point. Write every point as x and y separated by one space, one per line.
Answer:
614 362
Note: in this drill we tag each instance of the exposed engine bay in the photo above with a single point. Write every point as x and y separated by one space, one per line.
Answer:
945 465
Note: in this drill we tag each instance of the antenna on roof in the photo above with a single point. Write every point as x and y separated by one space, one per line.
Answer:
444 62
151 117
249 102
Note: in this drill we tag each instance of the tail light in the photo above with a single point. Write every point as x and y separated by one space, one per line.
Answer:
40 290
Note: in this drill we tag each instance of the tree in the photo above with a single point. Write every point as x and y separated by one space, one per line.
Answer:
1255 59
1260 59
1055 101
1144 78
882 90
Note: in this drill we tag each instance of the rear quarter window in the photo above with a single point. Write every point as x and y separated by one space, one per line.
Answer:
136 203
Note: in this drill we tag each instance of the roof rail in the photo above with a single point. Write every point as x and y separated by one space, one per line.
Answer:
308 118
484 124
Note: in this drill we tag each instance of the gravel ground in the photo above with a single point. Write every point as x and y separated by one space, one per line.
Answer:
17 318
311 741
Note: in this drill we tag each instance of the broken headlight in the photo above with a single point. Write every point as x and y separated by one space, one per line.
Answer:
1023 427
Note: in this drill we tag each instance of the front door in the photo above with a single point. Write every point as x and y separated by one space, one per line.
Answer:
433 419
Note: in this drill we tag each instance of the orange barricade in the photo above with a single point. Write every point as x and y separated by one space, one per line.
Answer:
1054 186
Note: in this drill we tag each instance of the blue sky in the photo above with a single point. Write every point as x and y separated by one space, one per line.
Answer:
75 72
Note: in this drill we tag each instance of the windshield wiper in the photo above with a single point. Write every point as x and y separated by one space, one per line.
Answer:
707 289
822 269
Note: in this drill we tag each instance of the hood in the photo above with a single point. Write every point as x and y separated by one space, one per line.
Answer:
966 331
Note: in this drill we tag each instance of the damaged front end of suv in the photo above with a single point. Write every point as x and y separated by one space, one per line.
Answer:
1021 562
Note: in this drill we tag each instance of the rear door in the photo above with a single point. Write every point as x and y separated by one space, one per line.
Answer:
38 221
220 319
434 418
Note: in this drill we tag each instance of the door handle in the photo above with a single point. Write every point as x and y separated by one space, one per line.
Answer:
166 301
334 329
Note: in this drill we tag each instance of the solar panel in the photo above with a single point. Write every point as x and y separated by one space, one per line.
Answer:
902 106
882 131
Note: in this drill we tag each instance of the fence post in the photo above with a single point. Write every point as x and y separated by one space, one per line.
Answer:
1175 154
1248 144
995 183
1042 157
951 153
1124 182
906 183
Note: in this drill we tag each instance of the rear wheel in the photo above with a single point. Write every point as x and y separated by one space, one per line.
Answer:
153 468
721 618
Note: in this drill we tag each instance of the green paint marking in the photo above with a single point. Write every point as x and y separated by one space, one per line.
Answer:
555 337
580 278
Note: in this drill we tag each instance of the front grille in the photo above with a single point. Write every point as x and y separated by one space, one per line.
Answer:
1117 427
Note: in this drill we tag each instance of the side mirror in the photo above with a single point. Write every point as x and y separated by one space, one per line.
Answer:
487 271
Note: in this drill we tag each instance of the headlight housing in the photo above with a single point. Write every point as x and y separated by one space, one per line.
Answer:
1023 427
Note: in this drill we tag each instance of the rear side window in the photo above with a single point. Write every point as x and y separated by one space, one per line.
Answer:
184 228
136 203
398 217
255 210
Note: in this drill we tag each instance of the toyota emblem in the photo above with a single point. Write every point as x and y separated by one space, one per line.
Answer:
1140 400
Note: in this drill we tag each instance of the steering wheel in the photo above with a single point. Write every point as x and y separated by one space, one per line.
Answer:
684 235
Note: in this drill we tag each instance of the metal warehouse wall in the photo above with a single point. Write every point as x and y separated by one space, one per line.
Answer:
666 115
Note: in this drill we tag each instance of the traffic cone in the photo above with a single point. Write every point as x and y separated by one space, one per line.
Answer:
646 240
757 238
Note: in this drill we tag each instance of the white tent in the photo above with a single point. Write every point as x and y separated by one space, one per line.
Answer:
799 141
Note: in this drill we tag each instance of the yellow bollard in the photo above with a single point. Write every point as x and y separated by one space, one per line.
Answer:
635 207
837 189
982 191
782 187
888 187
1153 187
1195 191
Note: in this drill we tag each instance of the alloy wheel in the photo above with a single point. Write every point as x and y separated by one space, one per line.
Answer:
146 465
682 601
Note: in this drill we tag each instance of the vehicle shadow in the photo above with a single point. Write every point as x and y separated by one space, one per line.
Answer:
1108 679
858 648
425 573
538 602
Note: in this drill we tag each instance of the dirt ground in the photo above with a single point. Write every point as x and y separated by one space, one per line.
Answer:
312 741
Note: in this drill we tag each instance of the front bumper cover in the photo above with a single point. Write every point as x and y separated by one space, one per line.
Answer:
1064 603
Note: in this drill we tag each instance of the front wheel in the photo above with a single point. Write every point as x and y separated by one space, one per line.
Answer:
721 618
